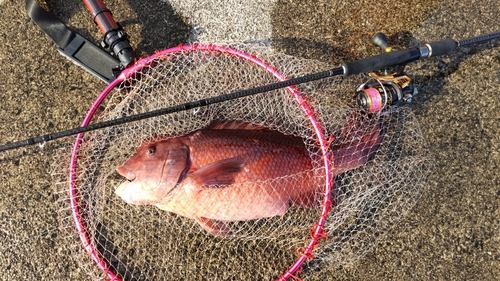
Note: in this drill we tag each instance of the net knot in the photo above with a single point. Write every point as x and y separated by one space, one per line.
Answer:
306 101
293 275
329 142
322 234
210 50
328 208
163 57
304 252
167 57
184 49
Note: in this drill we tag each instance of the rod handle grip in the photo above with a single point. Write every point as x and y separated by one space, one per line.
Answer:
442 47
380 61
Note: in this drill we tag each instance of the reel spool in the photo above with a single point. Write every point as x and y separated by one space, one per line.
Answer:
380 92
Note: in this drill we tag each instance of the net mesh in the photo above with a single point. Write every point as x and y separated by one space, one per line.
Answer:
143 242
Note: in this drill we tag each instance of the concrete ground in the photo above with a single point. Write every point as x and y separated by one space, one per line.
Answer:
453 233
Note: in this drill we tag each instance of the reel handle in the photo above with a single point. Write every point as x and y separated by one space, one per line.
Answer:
381 41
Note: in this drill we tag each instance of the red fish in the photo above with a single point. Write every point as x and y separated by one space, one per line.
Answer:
225 172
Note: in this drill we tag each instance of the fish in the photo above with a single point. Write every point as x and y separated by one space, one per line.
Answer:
227 172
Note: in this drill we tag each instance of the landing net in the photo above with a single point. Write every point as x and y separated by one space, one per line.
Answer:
352 210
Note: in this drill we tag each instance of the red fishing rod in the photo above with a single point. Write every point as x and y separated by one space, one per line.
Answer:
115 39
105 61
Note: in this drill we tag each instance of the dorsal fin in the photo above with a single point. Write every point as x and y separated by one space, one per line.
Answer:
235 125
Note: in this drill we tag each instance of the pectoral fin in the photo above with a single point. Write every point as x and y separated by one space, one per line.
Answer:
214 227
218 173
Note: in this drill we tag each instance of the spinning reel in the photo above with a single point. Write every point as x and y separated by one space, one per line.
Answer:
388 87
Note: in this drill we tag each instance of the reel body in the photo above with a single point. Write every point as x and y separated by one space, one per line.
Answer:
380 92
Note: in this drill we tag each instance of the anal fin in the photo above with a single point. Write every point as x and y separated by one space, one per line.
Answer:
214 227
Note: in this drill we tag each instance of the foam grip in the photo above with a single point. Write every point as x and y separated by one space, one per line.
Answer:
442 47
380 61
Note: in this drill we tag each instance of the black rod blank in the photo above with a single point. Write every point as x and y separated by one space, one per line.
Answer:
479 39
176 108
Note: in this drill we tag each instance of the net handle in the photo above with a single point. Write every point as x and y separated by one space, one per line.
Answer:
317 230
115 38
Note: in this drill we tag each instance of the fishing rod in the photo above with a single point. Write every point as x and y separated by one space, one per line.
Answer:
388 85
388 89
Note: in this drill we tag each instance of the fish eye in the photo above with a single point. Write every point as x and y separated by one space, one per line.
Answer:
151 150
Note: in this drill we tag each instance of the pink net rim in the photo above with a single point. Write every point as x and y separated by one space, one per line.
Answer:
317 231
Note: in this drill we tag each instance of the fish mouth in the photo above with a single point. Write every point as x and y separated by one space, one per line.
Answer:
130 176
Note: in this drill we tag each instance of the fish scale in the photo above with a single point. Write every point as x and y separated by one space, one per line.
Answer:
266 154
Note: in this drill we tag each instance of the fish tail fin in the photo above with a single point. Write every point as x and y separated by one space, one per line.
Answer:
307 192
358 143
